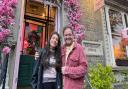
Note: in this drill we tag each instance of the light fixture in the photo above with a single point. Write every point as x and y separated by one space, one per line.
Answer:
43 14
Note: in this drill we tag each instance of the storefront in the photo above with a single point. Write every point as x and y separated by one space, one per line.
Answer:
39 18
116 20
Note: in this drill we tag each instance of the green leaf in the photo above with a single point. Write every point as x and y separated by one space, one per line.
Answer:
101 77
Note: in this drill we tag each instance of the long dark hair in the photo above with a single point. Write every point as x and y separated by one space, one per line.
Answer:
57 53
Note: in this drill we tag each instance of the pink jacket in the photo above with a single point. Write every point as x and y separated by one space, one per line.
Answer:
76 68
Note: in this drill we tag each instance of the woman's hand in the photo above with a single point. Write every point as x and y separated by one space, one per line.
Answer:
36 55
63 69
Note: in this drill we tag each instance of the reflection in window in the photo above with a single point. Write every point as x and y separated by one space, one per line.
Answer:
39 23
115 21
116 24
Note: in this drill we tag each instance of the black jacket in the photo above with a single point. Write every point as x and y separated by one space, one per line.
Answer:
37 76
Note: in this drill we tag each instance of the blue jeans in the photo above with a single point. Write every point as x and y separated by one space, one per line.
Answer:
49 85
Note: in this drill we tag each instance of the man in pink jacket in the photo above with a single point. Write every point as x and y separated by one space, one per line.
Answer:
74 62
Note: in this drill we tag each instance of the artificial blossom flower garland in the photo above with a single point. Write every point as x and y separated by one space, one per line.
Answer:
74 14
6 19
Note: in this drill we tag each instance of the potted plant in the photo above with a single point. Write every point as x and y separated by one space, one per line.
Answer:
122 62
122 59
120 55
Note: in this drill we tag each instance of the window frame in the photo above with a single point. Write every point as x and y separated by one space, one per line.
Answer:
107 8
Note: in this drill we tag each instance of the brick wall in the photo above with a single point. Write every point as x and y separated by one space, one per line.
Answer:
93 23
91 20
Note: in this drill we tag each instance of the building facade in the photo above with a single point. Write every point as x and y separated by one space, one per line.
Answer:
102 34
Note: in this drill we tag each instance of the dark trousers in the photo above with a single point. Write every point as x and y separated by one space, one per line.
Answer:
49 85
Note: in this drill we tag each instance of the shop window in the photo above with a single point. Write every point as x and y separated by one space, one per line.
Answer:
119 46
39 23
32 38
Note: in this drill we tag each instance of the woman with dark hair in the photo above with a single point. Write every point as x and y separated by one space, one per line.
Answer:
47 71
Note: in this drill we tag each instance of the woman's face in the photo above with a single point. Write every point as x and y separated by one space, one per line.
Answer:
54 41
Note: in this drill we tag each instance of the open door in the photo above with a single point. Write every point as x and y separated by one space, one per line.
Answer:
39 23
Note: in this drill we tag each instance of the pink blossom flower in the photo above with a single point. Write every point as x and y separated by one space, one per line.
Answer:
13 3
1 10
6 50
6 17
6 32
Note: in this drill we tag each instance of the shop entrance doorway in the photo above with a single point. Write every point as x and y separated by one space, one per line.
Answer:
40 19
39 23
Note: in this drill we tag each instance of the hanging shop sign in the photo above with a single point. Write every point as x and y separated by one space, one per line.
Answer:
98 4
93 48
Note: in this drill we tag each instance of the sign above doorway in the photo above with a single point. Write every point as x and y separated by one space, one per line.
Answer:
50 2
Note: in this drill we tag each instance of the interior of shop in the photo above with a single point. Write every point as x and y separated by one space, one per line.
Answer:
40 20
39 23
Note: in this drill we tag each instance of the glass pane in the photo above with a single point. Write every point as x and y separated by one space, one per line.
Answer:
31 39
39 23
116 24
115 21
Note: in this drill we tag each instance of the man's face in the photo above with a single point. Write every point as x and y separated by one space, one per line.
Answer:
68 37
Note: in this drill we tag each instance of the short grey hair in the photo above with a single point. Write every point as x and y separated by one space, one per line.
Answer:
66 27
